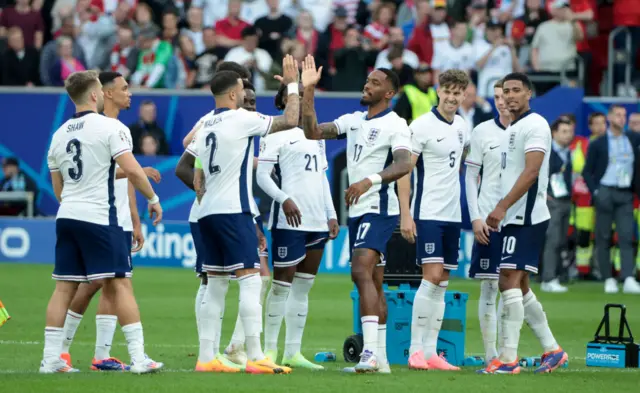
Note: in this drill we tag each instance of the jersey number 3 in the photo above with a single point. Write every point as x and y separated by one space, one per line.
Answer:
75 148
212 140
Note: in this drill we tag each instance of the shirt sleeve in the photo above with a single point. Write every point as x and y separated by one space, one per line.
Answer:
256 123
471 191
538 137
328 201
266 183
323 155
51 160
417 144
474 158
119 142
401 139
269 149
342 123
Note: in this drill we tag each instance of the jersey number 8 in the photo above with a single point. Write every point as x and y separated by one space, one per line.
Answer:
212 140
74 147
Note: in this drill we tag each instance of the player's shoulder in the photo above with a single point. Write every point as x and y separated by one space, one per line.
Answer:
425 118
285 136
353 116
485 127
458 120
534 123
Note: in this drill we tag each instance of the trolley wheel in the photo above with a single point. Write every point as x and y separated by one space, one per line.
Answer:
352 348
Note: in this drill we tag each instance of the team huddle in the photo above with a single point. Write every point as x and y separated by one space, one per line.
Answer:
95 175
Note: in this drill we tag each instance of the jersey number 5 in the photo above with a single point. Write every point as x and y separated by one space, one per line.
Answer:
211 140
74 147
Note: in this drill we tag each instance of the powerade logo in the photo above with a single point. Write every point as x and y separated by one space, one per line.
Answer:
15 243
162 243
605 355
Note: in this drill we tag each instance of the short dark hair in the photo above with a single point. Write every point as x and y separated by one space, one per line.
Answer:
594 115
248 85
147 102
613 107
223 81
454 78
248 32
279 99
235 67
519 76
10 161
391 77
107 77
570 117
559 121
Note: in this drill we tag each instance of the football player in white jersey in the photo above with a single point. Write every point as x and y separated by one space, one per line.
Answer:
483 189
302 220
224 189
117 97
90 244
433 220
522 217
378 153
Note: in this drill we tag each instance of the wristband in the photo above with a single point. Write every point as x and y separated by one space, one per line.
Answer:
154 199
375 179
292 88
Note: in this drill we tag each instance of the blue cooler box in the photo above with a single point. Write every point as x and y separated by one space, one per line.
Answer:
400 306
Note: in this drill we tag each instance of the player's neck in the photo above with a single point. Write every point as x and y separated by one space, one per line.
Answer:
447 116
505 120
111 111
225 103
86 108
517 115
375 110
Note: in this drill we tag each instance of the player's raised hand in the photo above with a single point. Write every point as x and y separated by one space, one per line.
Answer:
290 73
291 211
155 210
334 228
481 231
138 238
152 173
355 191
310 75
495 217
408 228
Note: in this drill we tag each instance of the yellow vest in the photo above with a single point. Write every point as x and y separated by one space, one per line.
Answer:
420 101
578 159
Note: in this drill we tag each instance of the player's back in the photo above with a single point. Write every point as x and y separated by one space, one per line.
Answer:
225 145
486 155
530 133
83 149
439 144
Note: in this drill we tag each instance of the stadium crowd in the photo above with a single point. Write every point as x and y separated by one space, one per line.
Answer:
177 43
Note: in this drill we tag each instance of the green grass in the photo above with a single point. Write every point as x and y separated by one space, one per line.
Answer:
166 298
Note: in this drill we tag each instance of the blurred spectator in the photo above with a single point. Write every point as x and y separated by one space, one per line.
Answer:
352 62
330 41
438 26
583 14
554 44
212 11
478 18
597 124
49 54
194 19
170 31
143 18
474 109
153 59
205 63
406 14
22 15
525 28
507 10
124 54
15 180
322 11
495 58
404 71
66 63
289 47
378 30
257 60
634 122
186 56
229 29
96 29
61 10
273 27
396 41
627 13
421 41
351 6
146 125
306 34
148 145
419 97
455 53
252 10
19 63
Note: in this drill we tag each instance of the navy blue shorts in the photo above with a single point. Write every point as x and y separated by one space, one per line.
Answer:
522 246
199 246
372 231
128 242
485 260
290 246
88 252
438 242
230 241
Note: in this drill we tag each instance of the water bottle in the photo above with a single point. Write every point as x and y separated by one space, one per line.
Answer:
325 357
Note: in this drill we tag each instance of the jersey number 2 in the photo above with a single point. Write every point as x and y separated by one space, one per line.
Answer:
211 140
74 147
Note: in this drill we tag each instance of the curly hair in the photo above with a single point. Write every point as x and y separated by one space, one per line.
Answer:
279 99
454 78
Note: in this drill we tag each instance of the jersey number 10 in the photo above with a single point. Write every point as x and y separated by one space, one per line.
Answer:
212 140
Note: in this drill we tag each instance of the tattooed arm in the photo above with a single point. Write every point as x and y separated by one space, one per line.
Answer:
199 183
310 125
289 119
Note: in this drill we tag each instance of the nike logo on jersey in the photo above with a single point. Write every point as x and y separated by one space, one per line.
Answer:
493 147
293 142
353 128
507 257
440 140
357 244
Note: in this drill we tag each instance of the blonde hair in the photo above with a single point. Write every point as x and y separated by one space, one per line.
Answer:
454 78
79 84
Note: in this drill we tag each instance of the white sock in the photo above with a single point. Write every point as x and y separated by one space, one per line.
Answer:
436 300
237 338
135 341
370 333
296 309
53 337
251 314
499 329
264 288
536 318
512 319
275 308
199 295
211 313
487 316
382 344
420 317
71 323
105 329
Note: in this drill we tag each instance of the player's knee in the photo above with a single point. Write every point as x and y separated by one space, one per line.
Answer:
284 274
360 273
433 272
509 279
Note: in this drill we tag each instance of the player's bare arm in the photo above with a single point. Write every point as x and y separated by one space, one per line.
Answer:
310 78
533 163
400 167
57 183
152 173
184 169
136 175
289 119
407 224
187 139
199 183
138 237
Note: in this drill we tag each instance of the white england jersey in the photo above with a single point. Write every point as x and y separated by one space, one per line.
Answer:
439 145
300 164
529 133
83 150
485 155
122 196
224 145
370 144
450 57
